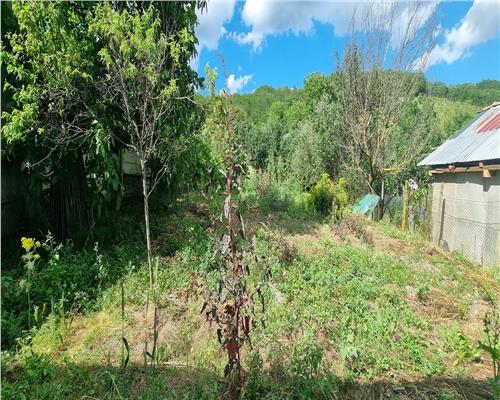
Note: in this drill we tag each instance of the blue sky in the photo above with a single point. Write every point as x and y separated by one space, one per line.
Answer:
279 43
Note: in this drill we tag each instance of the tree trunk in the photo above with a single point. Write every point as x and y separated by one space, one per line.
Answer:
381 206
146 221
145 194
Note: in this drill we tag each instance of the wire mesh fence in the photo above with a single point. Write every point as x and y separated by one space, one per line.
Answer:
460 216
417 216
466 217
472 233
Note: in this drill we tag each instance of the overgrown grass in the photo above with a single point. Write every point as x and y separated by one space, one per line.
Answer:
391 318
74 275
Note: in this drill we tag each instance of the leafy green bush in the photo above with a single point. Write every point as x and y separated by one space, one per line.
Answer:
307 356
326 196
275 192
321 195
248 193
459 344
305 376
341 197
491 345
313 379
422 292
272 200
57 278
258 383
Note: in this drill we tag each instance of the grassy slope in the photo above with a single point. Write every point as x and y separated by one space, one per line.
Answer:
386 315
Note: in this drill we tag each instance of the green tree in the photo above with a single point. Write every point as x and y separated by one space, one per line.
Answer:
379 77
142 65
258 104
9 25
61 130
267 140
315 144
479 94
450 117
317 86
51 62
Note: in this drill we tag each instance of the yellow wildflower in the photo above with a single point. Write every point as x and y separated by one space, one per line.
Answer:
37 243
36 256
27 243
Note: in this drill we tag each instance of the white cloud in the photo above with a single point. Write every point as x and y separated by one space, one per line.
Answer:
236 84
410 18
266 17
255 39
211 25
480 24
277 17
269 17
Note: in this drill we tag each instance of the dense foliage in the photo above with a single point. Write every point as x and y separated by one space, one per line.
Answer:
303 134
479 94
63 126
346 300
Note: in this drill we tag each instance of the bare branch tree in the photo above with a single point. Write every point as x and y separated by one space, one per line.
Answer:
379 74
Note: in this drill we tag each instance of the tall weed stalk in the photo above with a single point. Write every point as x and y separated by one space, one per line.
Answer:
232 307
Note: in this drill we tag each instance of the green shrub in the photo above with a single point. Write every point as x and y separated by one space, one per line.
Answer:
276 193
248 193
422 292
57 278
491 345
272 200
341 197
311 377
307 356
322 195
459 344
257 384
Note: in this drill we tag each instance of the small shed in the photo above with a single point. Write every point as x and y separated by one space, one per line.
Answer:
466 189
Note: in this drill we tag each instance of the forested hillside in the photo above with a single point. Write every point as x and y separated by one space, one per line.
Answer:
480 94
174 245
258 103
285 127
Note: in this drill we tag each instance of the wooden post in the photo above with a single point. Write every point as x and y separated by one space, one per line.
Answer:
382 202
427 215
405 206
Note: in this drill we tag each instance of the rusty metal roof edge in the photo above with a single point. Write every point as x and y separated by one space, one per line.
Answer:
467 145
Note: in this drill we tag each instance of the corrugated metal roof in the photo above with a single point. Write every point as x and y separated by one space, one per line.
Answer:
490 124
478 141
